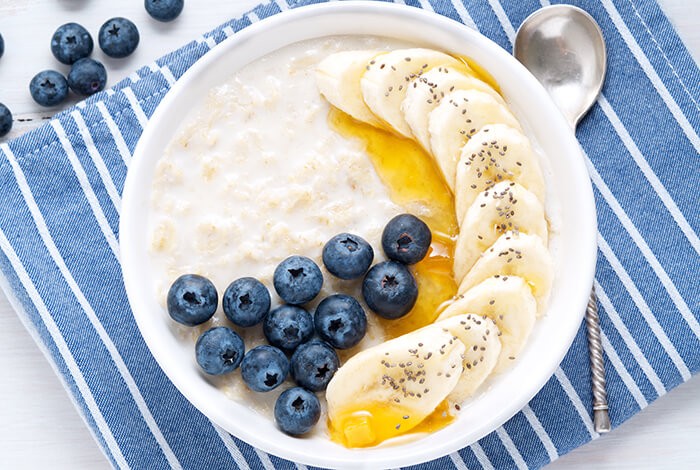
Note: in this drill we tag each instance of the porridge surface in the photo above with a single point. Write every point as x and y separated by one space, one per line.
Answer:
255 175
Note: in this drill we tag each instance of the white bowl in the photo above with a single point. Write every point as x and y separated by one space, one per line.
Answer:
568 186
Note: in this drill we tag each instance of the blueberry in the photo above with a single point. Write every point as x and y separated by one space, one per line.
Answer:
406 239
264 368
246 301
164 10
70 43
48 88
296 411
314 364
297 280
5 120
118 37
219 350
288 326
2 45
341 321
347 256
192 299
87 77
390 289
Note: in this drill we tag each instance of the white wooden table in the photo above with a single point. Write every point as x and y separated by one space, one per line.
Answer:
40 428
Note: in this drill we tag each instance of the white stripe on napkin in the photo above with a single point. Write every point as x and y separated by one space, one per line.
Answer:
116 133
135 106
658 46
463 14
576 401
481 456
264 459
511 448
97 159
457 461
623 372
629 341
541 433
233 449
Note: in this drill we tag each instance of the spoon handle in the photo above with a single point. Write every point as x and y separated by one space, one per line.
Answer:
601 418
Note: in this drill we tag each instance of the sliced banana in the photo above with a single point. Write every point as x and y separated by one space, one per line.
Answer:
508 301
506 206
483 348
338 79
427 91
459 116
386 390
385 82
495 153
516 254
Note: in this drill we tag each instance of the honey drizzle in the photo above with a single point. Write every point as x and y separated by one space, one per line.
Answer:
378 422
416 183
479 72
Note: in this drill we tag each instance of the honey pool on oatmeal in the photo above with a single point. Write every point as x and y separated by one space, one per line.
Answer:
257 174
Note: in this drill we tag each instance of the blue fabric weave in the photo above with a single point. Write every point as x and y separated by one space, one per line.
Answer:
643 151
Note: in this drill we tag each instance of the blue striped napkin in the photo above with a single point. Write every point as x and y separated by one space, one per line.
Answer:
60 186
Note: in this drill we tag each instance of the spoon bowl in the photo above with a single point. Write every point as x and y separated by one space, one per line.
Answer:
564 49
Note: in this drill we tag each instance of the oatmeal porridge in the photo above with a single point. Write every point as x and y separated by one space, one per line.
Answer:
342 134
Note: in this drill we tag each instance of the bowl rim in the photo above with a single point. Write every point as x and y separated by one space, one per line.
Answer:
128 223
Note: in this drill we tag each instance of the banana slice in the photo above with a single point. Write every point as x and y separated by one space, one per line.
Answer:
386 390
386 81
427 91
508 301
516 254
459 116
338 79
483 348
506 206
496 153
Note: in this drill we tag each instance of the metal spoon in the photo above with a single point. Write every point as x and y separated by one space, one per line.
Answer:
564 49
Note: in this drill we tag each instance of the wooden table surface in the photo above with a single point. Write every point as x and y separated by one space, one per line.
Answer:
41 428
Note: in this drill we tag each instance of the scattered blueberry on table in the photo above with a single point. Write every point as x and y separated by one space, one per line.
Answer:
297 280
297 410
5 120
314 364
406 239
164 10
192 299
219 350
390 290
87 77
2 45
70 43
49 88
118 37
246 302
347 256
288 326
264 368
341 321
